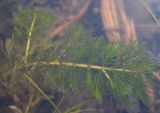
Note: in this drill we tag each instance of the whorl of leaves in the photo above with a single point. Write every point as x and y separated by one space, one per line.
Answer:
125 66
80 48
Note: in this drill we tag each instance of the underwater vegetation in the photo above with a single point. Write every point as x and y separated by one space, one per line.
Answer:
34 67
78 56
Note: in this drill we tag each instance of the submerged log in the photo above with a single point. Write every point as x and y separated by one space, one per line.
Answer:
110 20
116 23
61 27
122 28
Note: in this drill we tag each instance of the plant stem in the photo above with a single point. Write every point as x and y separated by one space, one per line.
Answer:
39 89
71 64
29 103
150 12
29 40
77 65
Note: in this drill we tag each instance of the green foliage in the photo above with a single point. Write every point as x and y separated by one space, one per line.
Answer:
23 22
77 61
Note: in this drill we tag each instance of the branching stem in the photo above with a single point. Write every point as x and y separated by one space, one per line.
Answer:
71 64
76 65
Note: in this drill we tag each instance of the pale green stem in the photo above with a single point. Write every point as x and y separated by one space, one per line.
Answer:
29 103
150 12
74 107
60 102
77 65
107 76
41 91
29 40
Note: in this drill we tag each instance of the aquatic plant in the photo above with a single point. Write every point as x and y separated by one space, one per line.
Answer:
74 63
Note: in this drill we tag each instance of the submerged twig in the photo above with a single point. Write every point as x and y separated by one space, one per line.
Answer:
150 12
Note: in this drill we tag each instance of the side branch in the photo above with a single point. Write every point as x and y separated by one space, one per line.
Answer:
29 39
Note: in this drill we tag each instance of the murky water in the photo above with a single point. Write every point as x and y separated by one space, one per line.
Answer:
146 29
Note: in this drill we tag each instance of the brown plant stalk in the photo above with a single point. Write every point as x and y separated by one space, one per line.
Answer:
110 12
55 31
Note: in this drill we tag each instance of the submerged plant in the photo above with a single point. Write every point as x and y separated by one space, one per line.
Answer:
74 63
